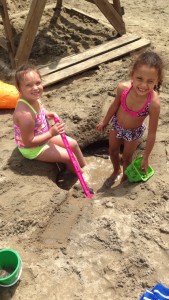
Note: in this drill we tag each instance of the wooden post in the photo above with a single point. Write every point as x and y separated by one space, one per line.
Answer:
59 4
117 6
91 1
30 30
8 31
112 15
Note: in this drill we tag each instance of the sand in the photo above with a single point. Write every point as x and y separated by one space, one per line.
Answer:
115 245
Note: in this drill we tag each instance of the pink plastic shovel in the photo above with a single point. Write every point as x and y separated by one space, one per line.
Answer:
75 163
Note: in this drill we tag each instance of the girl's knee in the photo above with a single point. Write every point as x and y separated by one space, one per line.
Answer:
113 152
74 144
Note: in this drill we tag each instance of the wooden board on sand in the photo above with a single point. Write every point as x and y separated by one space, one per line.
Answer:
73 59
90 61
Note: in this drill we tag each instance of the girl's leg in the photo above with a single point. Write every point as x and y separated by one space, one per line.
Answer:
114 151
57 140
129 149
55 154
76 150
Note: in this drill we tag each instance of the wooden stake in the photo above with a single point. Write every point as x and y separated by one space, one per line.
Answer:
117 6
112 15
30 30
59 4
8 31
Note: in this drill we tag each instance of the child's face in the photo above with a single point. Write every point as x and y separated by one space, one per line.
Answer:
31 86
144 79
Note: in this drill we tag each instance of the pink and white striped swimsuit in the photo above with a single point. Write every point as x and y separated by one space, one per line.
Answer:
41 125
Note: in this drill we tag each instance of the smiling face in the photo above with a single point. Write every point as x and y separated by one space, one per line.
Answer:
144 79
30 86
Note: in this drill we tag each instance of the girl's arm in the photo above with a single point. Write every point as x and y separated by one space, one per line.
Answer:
50 115
151 137
26 123
112 109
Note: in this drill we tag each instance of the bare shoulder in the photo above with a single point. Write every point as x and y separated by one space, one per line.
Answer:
155 100
154 109
123 86
22 114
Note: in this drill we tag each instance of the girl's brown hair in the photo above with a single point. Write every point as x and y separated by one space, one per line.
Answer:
152 60
23 69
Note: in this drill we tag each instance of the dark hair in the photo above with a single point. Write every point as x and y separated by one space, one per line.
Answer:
152 60
23 69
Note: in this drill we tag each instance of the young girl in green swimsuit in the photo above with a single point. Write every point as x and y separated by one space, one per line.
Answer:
34 137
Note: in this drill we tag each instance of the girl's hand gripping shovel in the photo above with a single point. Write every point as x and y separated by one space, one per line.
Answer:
75 163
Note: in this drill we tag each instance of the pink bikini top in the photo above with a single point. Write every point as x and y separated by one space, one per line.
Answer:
143 112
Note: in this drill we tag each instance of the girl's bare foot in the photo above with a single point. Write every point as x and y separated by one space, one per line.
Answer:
115 176
123 179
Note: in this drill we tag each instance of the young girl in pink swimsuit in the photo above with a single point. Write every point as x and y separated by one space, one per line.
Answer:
134 101
34 137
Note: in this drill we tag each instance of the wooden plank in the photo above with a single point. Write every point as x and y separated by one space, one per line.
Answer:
73 59
94 61
30 30
8 31
112 15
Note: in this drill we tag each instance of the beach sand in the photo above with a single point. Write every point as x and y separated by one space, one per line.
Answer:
115 245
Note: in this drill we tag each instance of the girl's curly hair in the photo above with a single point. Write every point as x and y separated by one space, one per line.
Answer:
152 60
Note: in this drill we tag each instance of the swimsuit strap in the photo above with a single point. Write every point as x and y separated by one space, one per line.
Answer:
28 104
124 95
149 98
